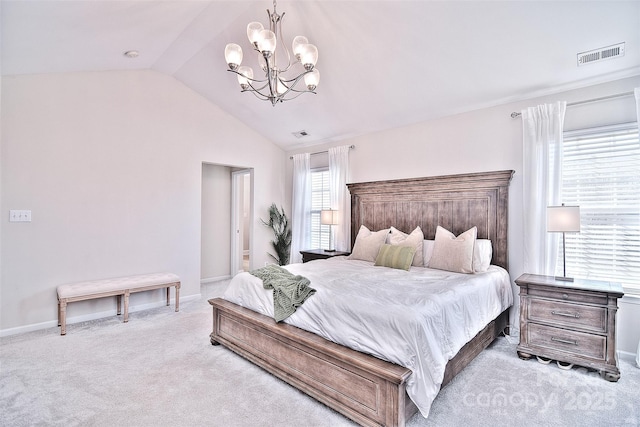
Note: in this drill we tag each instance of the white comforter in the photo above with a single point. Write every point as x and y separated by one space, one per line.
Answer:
418 319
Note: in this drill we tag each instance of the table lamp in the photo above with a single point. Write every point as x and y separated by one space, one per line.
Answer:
563 219
329 217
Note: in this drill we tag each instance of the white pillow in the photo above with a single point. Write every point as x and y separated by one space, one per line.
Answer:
482 253
414 240
427 251
368 244
453 253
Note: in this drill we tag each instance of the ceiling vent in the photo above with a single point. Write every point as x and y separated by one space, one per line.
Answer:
601 54
300 134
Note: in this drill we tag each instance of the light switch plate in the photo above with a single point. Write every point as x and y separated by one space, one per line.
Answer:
19 215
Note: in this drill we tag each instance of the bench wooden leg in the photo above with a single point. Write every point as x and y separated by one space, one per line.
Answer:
126 306
168 299
119 301
177 297
62 316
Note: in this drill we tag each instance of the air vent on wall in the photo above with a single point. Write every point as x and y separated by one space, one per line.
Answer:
601 54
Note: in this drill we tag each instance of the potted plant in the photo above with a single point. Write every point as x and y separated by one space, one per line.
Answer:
279 224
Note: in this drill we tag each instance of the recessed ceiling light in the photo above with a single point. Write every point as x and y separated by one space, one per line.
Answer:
132 54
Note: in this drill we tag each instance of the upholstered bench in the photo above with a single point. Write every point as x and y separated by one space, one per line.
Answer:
114 287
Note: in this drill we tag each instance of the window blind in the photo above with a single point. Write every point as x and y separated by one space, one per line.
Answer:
320 199
601 174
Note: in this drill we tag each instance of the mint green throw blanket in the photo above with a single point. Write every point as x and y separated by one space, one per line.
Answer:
289 291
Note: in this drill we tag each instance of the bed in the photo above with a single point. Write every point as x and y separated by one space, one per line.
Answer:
367 389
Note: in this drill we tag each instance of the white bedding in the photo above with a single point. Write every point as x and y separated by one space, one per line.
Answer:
418 319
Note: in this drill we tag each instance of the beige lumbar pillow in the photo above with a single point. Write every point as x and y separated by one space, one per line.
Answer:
453 253
368 244
414 240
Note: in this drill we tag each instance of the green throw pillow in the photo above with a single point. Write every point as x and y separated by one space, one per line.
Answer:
394 256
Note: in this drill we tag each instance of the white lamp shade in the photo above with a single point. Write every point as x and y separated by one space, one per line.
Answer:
298 45
281 88
264 62
309 56
329 217
564 219
267 41
253 31
312 79
233 54
245 74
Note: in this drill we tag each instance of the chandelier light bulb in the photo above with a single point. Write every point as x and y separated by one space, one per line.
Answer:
244 75
309 56
233 55
253 32
312 79
298 46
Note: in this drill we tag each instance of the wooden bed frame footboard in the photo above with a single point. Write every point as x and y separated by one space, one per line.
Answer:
364 388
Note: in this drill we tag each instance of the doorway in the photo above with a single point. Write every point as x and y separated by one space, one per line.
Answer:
226 221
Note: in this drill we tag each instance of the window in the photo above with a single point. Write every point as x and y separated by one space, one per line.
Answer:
601 174
320 200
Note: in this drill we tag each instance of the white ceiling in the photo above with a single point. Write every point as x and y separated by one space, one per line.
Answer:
383 64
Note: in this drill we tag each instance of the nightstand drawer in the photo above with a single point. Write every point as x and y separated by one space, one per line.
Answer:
569 295
579 343
584 317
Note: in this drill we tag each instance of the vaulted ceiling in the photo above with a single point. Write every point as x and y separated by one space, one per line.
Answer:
383 64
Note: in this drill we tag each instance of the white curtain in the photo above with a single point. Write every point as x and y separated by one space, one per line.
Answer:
637 94
301 206
542 176
339 194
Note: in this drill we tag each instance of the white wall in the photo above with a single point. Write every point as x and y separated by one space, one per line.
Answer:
484 140
110 164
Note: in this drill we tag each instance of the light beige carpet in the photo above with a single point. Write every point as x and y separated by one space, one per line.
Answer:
160 370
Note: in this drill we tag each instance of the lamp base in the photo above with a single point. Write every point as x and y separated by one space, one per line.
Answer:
564 278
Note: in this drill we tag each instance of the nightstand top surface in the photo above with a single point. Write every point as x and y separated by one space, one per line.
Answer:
324 252
577 284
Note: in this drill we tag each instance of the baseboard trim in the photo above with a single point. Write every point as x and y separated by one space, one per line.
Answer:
626 355
214 279
91 316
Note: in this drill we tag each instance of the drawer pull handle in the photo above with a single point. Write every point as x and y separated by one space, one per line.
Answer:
564 341
559 313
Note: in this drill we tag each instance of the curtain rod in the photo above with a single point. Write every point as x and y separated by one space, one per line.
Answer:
322 152
586 101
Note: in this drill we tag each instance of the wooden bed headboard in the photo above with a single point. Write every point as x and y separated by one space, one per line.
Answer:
455 202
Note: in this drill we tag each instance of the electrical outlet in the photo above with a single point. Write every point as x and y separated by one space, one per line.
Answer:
19 215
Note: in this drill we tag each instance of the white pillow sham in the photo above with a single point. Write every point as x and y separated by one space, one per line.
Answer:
414 240
368 244
453 253
482 254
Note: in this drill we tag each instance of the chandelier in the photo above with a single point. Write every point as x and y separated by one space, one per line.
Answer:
280 83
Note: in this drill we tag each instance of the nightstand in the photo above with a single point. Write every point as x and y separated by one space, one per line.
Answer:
311 254
572 322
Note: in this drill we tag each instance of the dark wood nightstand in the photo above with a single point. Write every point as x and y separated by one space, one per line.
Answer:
572 322
311 254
